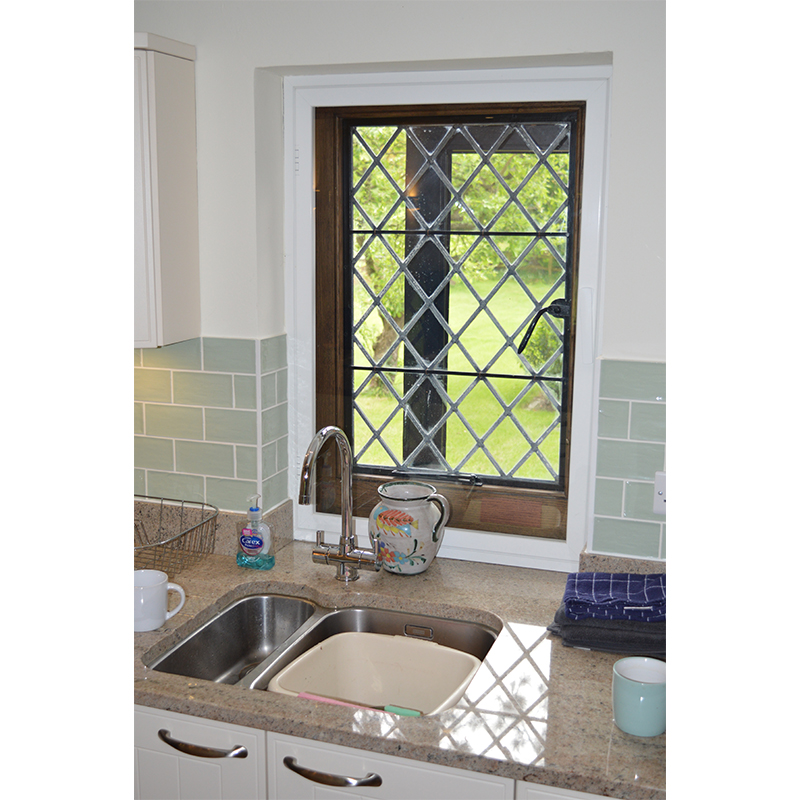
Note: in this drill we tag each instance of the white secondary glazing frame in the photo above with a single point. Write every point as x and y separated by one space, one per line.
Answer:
304 93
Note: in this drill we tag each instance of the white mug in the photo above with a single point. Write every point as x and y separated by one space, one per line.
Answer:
150 588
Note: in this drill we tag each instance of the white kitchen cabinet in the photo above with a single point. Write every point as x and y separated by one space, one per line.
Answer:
188 763
385 777
533 791
166 244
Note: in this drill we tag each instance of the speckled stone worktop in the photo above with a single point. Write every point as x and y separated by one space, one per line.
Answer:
536 711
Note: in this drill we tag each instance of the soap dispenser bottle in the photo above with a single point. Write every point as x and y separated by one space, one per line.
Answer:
255 540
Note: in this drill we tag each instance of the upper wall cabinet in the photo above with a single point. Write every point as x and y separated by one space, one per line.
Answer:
166 253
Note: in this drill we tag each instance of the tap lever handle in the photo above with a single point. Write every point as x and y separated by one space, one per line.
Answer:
321 541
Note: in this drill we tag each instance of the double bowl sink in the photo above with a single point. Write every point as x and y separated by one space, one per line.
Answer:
408 663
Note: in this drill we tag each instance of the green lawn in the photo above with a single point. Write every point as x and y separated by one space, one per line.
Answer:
480 408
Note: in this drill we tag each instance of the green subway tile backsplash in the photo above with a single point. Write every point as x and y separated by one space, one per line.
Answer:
233 495
244 390
152 384
618 459
633 380
246 462
631 437
229 355
273 353
182 355
152 453
275 422
649 422
608 497
236 426
274 489
639 501
613 420
202 389
282 379
196 421
269 390
269 458
202 458
197 437
626 537
175 422
176 486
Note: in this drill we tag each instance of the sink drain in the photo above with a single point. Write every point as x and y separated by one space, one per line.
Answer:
244 670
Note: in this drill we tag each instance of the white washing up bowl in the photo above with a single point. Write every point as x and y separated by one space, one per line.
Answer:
378 670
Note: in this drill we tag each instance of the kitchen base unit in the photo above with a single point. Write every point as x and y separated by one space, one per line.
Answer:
303 770
178 757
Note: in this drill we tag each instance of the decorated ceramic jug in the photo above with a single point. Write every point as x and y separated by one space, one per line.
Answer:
408 523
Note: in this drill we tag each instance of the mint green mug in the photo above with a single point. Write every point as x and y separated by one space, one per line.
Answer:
639 696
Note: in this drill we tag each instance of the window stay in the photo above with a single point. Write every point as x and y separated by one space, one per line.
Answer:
480 374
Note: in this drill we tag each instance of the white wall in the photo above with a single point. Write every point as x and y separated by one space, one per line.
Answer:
241 255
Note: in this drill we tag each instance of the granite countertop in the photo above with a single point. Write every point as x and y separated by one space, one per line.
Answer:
536 711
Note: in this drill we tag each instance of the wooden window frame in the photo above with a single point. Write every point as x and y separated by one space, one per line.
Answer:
502 509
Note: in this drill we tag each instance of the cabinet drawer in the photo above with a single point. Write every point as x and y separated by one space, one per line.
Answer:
164 772
399 778
533 791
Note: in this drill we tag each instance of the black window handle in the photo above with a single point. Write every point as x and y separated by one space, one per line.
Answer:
558 308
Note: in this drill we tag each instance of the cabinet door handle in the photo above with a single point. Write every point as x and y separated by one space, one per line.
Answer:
331 780
199 750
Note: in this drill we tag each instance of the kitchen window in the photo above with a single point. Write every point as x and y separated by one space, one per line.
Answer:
447 237
514 84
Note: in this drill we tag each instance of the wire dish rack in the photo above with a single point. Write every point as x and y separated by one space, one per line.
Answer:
171 535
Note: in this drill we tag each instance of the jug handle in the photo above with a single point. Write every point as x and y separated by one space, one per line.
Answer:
444 509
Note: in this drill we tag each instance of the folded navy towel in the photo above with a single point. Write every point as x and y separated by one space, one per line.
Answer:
623 596
628 637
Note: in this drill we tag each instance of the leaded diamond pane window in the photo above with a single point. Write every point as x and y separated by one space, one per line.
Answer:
456 234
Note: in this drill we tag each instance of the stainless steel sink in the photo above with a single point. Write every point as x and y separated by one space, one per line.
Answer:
254 638
237 639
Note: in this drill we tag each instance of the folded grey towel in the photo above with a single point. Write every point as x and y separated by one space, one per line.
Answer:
629 637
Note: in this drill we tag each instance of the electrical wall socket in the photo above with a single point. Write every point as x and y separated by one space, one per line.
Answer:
660 494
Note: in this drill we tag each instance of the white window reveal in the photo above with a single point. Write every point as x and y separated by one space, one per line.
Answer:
425 446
